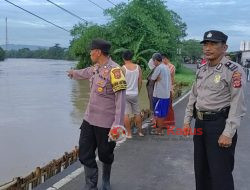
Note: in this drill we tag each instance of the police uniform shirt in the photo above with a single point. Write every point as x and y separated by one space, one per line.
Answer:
106 105
218 87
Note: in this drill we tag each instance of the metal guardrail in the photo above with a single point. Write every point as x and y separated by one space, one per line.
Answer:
40 175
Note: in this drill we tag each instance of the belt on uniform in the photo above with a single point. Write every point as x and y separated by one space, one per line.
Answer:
210 115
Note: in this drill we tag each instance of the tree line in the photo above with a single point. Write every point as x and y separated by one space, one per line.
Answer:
55 52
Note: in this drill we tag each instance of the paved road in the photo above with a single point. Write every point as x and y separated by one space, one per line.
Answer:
191 66
166 162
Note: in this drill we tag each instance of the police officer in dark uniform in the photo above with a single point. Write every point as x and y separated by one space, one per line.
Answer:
217 103
106 108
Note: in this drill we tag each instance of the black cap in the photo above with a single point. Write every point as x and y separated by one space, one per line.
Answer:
103 45
214 36
157 57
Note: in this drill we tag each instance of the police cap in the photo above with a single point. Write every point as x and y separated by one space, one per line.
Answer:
100 44
214 36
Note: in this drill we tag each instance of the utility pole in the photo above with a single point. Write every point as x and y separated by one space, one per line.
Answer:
6 31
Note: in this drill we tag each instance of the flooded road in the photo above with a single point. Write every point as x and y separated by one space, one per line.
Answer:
40 113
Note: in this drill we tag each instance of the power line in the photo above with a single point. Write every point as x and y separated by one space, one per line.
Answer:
96 5
67 11
111 3
37 16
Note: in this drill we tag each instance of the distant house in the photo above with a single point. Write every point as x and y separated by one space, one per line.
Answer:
241 57
245 53
245 58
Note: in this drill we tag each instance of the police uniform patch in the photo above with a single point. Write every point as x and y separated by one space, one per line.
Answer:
236 79
118 80
116 73
231 66
217 78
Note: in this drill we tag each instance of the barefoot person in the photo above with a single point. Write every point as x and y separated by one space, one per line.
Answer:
133 75
161 94
170 119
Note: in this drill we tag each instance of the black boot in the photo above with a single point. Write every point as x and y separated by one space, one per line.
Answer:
106 177
91 178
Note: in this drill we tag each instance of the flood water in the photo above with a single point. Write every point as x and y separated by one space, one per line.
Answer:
40 113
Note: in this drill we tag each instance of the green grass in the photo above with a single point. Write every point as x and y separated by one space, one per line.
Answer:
185 76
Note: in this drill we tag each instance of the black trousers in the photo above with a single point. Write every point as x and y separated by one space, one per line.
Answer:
213 165
93 137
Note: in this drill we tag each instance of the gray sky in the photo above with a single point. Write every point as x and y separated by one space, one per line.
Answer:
229 16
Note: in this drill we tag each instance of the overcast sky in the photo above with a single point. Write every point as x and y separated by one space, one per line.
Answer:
229 16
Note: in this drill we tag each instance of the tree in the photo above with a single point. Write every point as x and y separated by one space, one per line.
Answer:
192 50
24 53
2 54
138 54
55 52
161 29
82 36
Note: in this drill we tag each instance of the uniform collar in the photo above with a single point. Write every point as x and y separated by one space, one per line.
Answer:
218 67
100 66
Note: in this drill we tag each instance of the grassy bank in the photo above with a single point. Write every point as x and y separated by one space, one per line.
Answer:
185 76
184 79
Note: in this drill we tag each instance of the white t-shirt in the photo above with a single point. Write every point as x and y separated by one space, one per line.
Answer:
132 80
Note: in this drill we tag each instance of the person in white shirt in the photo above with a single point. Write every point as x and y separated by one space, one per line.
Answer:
133 75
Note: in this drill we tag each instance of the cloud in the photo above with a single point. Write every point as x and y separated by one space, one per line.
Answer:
243 29
36 3
199 16
21 23
216 3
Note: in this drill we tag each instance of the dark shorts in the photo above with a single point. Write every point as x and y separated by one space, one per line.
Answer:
161 106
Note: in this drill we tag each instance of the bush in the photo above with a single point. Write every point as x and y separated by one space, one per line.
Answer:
2 54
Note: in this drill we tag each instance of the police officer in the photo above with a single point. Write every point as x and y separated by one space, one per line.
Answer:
105 109
217 103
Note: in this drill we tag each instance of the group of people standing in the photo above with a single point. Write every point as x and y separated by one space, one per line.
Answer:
114 94
216 102
160 92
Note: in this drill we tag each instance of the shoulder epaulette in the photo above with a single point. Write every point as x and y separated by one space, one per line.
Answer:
201 65
231 66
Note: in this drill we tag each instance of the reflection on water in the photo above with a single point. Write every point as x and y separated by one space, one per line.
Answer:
79 98
40 113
